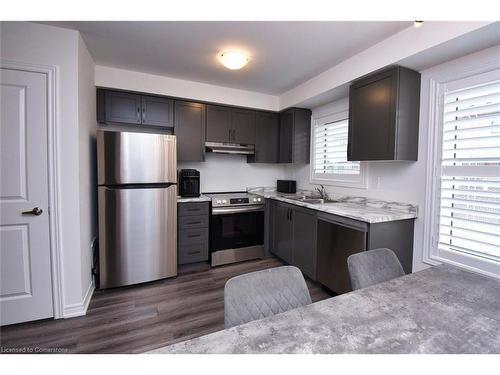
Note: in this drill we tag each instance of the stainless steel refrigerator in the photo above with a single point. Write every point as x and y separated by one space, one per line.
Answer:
137 204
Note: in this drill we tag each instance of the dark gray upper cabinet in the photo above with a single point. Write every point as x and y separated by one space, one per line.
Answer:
266 138
230 125
218 123
384 115
121 107
189 127
157 111
130 108
295 135
242 126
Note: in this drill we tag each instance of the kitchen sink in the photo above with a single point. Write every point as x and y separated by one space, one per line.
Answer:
312 200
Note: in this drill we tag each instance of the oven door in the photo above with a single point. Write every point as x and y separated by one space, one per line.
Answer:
236 227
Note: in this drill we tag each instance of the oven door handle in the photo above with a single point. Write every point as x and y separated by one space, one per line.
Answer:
236 210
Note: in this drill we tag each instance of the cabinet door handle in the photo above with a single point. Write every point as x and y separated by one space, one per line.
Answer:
143 113
193 235
194 222
194 252
139 115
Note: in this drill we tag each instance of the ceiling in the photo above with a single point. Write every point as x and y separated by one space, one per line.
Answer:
283 54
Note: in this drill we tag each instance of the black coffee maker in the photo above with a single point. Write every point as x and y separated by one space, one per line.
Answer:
189 183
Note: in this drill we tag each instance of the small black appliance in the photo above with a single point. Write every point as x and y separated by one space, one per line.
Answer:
286 186
189 183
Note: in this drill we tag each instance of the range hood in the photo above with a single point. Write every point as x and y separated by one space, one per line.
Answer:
229 148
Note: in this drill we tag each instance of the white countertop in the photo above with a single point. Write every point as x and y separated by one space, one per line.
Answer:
201 198
357 208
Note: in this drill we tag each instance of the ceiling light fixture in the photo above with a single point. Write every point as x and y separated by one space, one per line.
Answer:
233 60
417 24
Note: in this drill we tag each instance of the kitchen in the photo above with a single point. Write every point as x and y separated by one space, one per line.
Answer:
183 193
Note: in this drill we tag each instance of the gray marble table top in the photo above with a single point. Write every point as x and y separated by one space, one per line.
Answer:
442 309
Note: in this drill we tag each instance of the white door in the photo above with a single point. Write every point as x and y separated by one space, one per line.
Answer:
25 279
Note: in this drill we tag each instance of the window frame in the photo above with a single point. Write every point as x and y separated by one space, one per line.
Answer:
342 180
449 80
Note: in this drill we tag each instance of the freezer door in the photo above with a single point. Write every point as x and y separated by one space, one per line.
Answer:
135 158
137 235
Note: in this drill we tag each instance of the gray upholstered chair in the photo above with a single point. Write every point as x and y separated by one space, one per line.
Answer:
264 293
373 267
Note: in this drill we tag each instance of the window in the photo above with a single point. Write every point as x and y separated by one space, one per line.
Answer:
470 172
329 149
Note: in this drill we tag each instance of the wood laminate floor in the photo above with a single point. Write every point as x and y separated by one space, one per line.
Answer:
140 318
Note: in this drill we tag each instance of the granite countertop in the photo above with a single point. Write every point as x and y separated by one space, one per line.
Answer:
442 309
201 198
357 208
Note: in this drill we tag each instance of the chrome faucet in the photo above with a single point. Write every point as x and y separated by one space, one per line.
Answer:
322 192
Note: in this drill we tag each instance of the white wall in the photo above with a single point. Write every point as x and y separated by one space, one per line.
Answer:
162 85
220 172
407 43
87 166
395 181
400 181
51 46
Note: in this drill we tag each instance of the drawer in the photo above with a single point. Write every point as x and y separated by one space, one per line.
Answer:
195 235
188 222
193 253
192 208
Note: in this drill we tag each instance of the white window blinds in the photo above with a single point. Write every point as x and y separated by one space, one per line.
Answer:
470 172
330 150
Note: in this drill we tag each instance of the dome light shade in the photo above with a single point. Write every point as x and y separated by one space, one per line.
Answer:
417 24
233 60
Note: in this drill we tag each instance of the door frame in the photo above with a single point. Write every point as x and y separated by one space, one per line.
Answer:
53 160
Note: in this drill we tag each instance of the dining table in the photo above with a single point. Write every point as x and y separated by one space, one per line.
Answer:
441 309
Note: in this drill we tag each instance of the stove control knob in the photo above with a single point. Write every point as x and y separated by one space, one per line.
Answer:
218 201
224 201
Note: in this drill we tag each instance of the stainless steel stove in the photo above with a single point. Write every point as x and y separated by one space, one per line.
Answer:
236 227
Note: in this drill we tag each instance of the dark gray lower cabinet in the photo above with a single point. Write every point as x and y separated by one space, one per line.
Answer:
192 228
294 236
281 245
319 243
339 237
189 127
304 240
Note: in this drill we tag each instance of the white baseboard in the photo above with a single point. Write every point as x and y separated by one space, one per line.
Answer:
79 309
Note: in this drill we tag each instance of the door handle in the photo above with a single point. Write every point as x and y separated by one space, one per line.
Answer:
143 113
139 115
37 211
